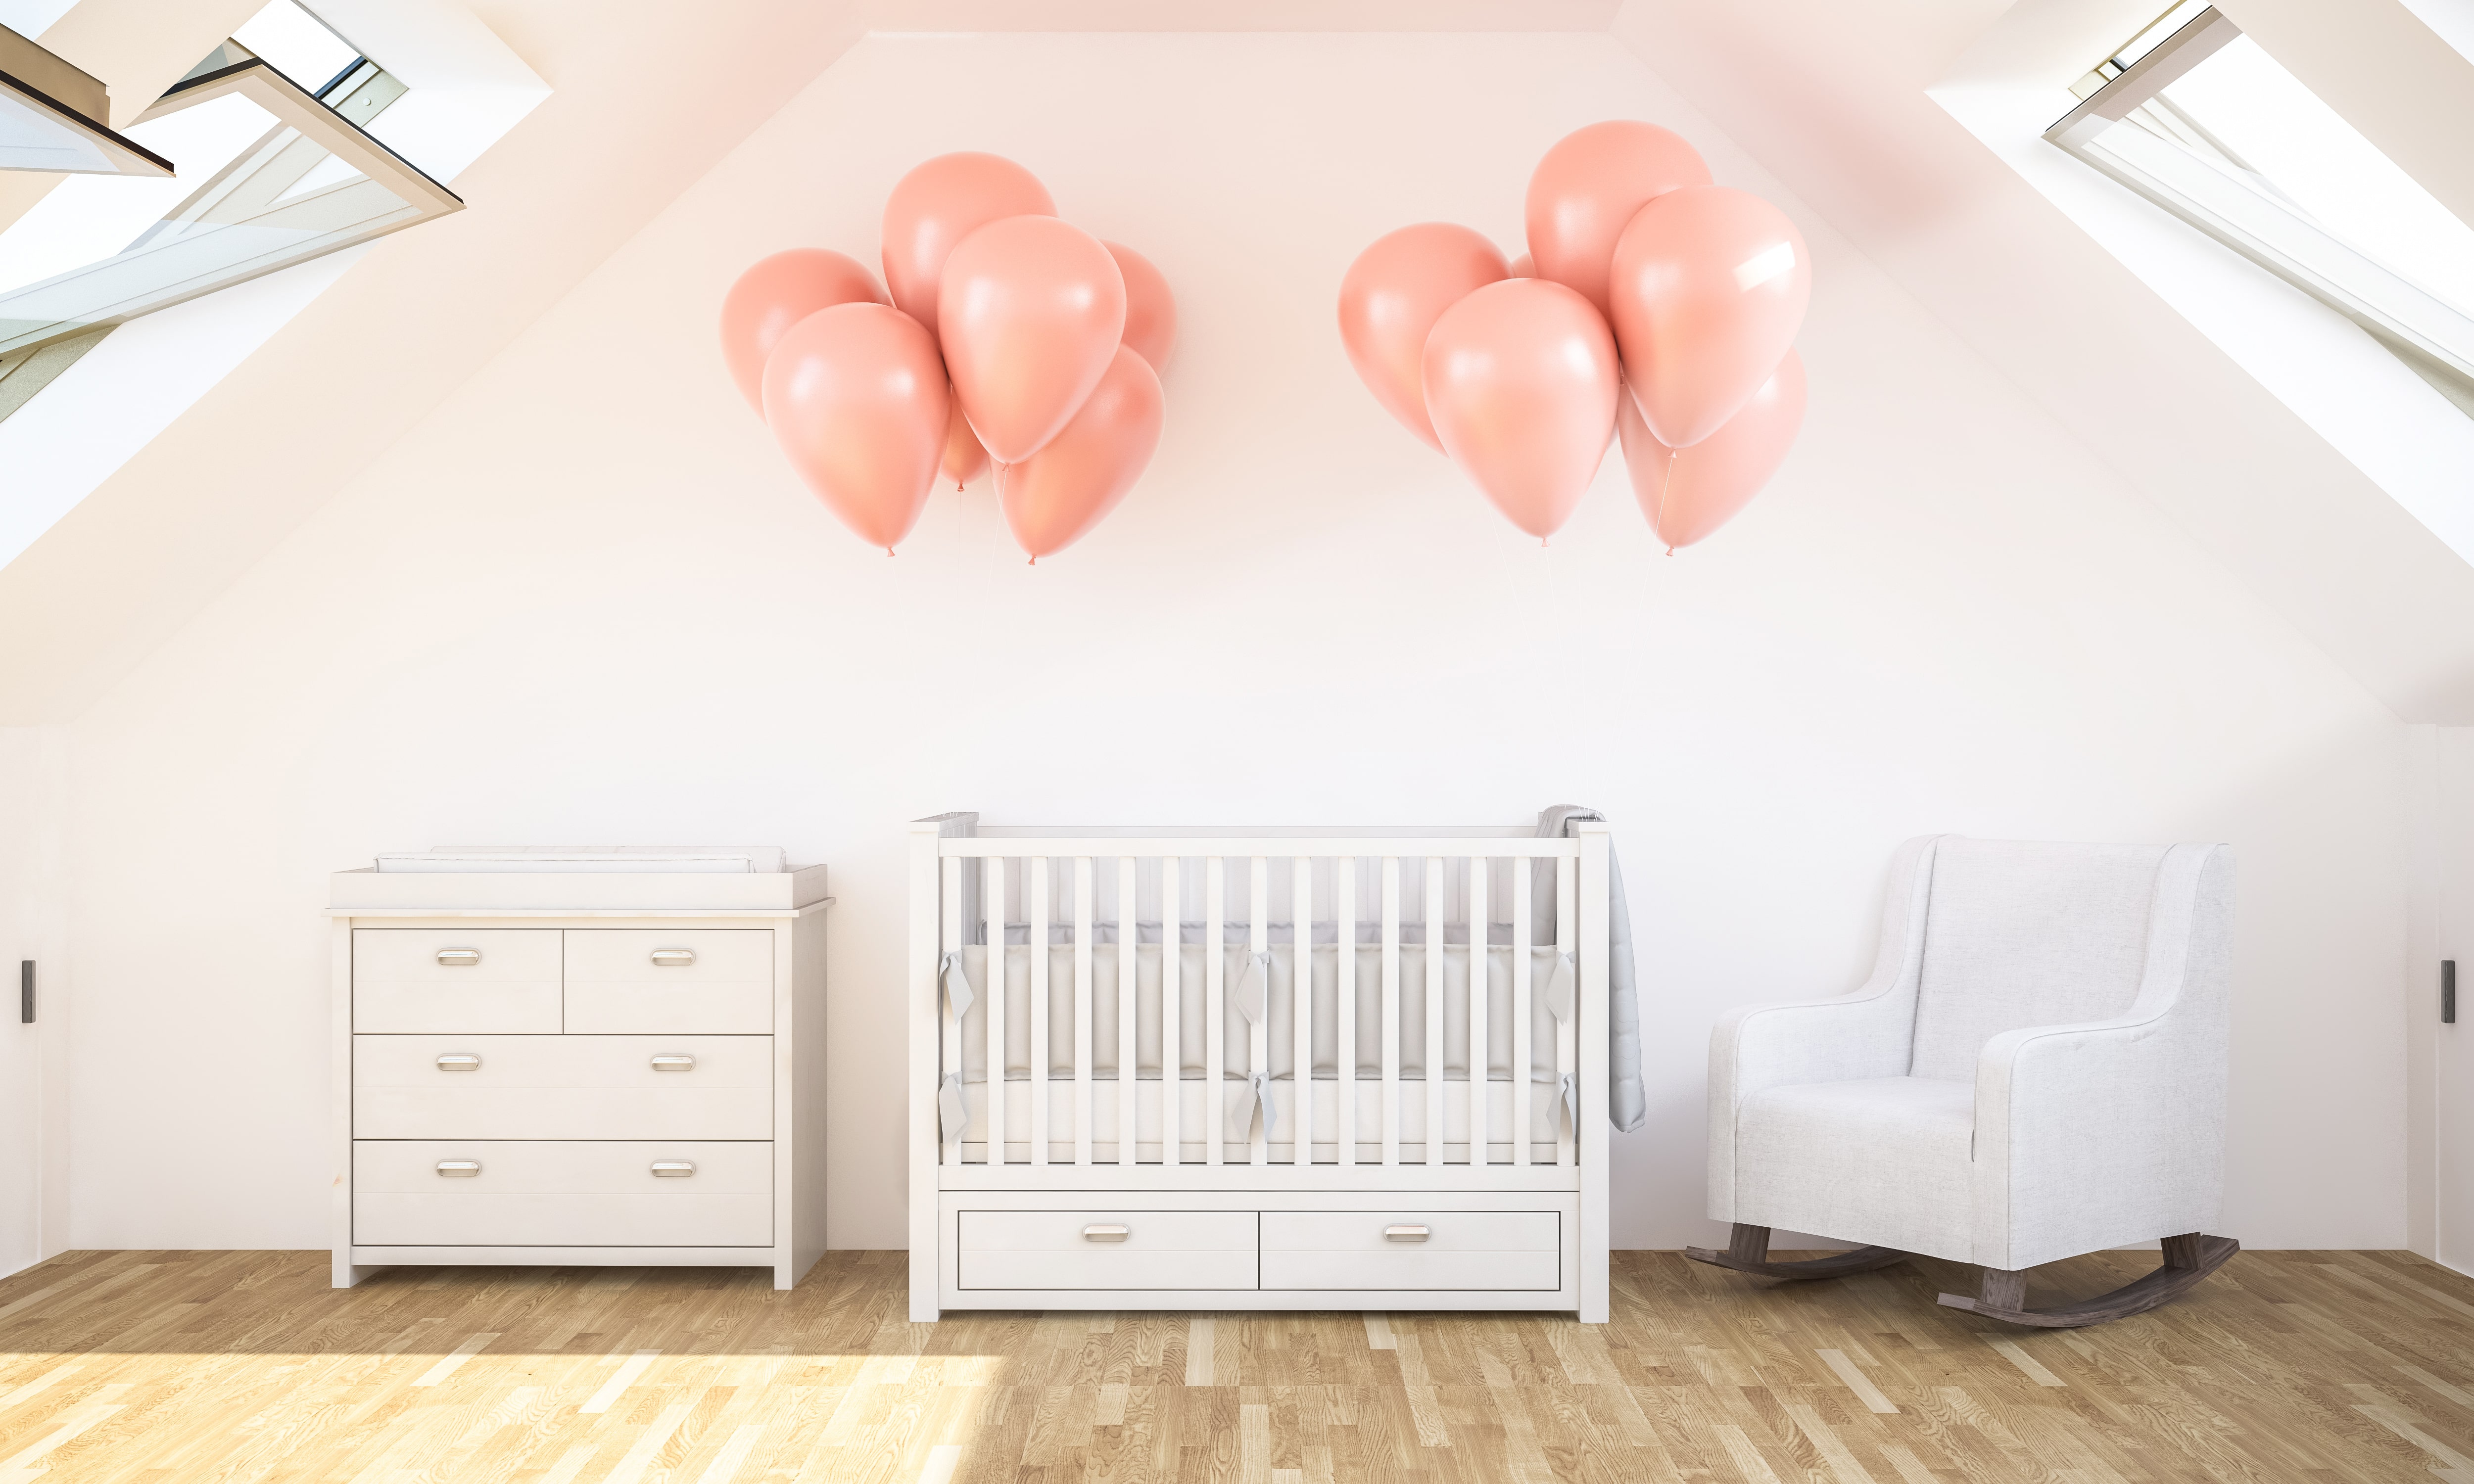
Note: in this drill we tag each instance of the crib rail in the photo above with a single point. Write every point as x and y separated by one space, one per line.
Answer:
1106 896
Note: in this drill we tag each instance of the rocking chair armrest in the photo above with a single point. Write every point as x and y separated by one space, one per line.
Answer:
2096 1135
1865 1033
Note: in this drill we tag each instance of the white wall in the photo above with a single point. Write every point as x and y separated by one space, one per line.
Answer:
586 600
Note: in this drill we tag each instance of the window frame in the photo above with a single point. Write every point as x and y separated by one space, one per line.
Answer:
2428 333
291 105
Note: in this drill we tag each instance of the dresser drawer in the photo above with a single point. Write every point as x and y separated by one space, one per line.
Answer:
703 981
599 1194
492 979
1461 1249
1161 1249
562 1087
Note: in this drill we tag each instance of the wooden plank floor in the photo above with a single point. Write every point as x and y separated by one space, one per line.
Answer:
2298 1366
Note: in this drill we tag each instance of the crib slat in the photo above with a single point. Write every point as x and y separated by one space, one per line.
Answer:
1390 1108
1567 940
1344 916
1481 965
1522 882
1040 871
949 1025
992 901
1258 1035
1214 1053
1171 1003
1084 1051
1128 1070
1301 1011
1433 1067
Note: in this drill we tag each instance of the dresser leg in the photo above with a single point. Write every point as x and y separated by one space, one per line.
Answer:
350 1275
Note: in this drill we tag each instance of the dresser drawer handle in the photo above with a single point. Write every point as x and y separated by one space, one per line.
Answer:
673 1169
459 958
1107 1233
1405 1234
459 1170
459 1061
674 1061
673 958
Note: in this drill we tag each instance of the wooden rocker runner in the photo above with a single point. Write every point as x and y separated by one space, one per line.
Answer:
2002 1294
2039 1075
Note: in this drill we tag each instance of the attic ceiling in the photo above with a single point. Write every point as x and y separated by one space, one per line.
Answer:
1832 98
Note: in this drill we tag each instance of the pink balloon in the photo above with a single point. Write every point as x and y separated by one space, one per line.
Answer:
936 206
857 400
1151 309
1710 288
965 458
1055 497
1524 267
1390 301
777 293
1520 379
1033 311
1690 492
1587 188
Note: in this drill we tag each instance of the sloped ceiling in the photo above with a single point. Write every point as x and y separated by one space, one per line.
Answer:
1833 98
649 95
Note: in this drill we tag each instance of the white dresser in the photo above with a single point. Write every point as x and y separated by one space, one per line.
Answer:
623 1069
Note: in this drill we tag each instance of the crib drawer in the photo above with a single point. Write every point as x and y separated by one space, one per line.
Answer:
1107 1249
563 1087
475 980
624 981
507 1193
1413 1249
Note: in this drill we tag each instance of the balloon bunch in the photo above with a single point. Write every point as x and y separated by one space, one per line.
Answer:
1658 306
1010 337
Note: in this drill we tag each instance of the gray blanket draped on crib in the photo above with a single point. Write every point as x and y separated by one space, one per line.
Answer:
1627 1102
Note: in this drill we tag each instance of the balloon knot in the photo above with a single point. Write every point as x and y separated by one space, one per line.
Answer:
889 551
1670 551
1035 562
1541 543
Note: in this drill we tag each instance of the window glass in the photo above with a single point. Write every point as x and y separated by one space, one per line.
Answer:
2277 137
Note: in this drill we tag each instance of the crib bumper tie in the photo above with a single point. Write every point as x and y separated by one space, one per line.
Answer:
1254 1092
957 985
952 1116
1559 986
1572 1099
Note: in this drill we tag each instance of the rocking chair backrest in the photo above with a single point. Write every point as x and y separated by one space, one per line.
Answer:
2021 933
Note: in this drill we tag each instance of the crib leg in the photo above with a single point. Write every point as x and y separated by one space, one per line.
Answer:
1748 1252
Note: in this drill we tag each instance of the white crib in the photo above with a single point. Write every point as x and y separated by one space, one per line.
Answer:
1441 1145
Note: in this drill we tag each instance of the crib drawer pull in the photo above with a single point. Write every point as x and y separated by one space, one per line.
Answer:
673 1169
459 958
1107 1233
459 1061
459 1170
674 1061
1405 1234
673 958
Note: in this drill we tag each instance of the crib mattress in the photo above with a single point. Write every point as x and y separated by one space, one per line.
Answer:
1548 1119
1281 1010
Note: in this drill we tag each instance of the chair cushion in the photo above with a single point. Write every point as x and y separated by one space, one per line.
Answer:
2023 933
1880 1162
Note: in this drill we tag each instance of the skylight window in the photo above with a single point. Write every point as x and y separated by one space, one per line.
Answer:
275 167
2201 120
